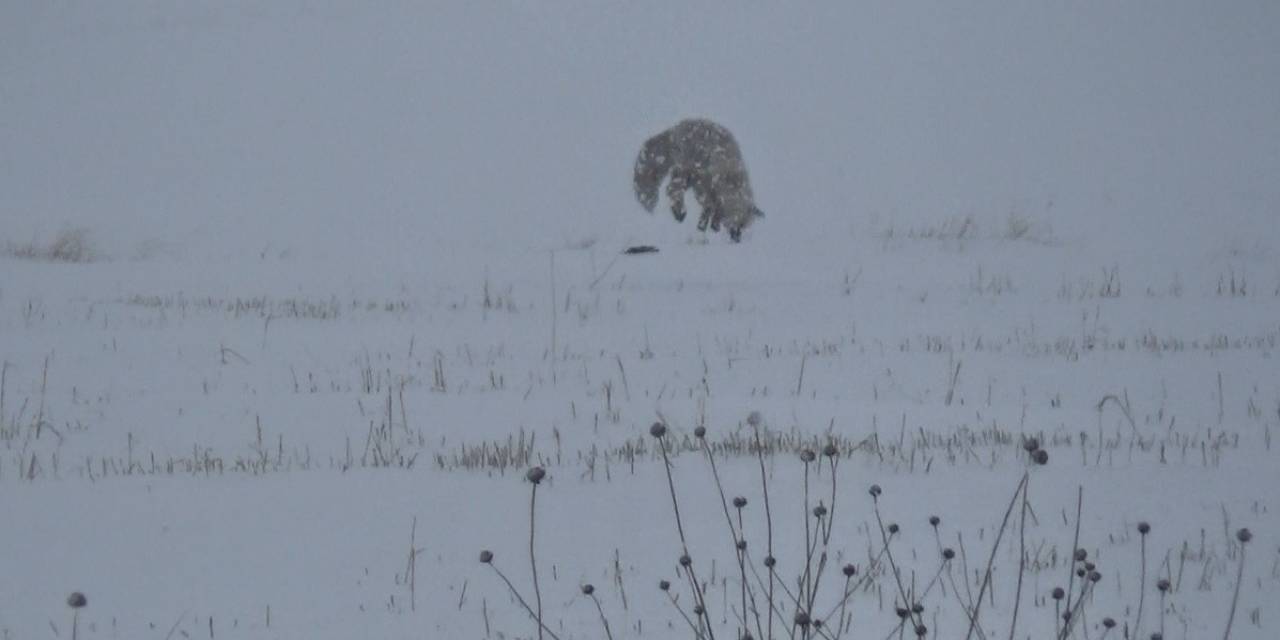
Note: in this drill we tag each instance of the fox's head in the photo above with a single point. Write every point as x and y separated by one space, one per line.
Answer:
652 165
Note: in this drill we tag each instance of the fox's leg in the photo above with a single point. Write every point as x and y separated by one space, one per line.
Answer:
675 192
710 209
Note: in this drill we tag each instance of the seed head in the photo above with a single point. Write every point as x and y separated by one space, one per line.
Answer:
1080 572
948 553
1089 566
658 430
849 570
587 589
1144 528
739 502
486 556
1040 456
934 521
917 608
830 450
1163 585
893 528
742 545
1157 636
769 561
1081 555
875 491
807 456
664 585
76 600
697 610
535 475
1109 623
1066 615
1244 535
921 630
1094 576
700 432
802 619
754 418
902 612
1058 593
685 560
819 511
1030 444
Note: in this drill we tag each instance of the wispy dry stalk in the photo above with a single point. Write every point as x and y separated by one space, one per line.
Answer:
1243 536
986 579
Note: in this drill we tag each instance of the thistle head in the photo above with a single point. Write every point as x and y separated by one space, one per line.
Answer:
658 430
486 556
77 600
536 475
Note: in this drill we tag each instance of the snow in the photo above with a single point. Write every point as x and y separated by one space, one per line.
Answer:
323 230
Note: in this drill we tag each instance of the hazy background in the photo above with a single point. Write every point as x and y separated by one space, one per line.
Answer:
394 128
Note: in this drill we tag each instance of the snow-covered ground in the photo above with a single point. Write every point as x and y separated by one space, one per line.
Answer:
353 267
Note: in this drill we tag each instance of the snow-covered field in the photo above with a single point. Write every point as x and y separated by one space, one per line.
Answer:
333 276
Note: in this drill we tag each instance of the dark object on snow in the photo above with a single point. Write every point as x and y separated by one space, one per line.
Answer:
643 248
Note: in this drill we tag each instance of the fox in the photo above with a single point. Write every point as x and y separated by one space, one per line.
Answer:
701 155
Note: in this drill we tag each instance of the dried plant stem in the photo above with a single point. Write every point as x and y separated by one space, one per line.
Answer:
768 519
1235 597
1142 588
603 620
986 579
533 559
523 603
1022 564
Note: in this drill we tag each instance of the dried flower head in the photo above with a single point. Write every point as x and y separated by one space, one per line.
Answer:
917 608
658 430
1089 566
875 491
819 511
849 570
1244 535
1109 623
1058 593
1157 636
807 456
770 561
698 610
802 619
921 630
535 475
685 560
934 521
1163 585
1094 576
948 553
1144 528
1081 555
1040 456
587 589
754 418
741 544
664 585
76 600
486 556
739 502
830 450
1030 444
893 528
699 432
902 612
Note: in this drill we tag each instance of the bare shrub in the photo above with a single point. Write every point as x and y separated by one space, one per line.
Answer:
69 245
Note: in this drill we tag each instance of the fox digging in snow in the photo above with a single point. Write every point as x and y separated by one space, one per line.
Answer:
703 156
